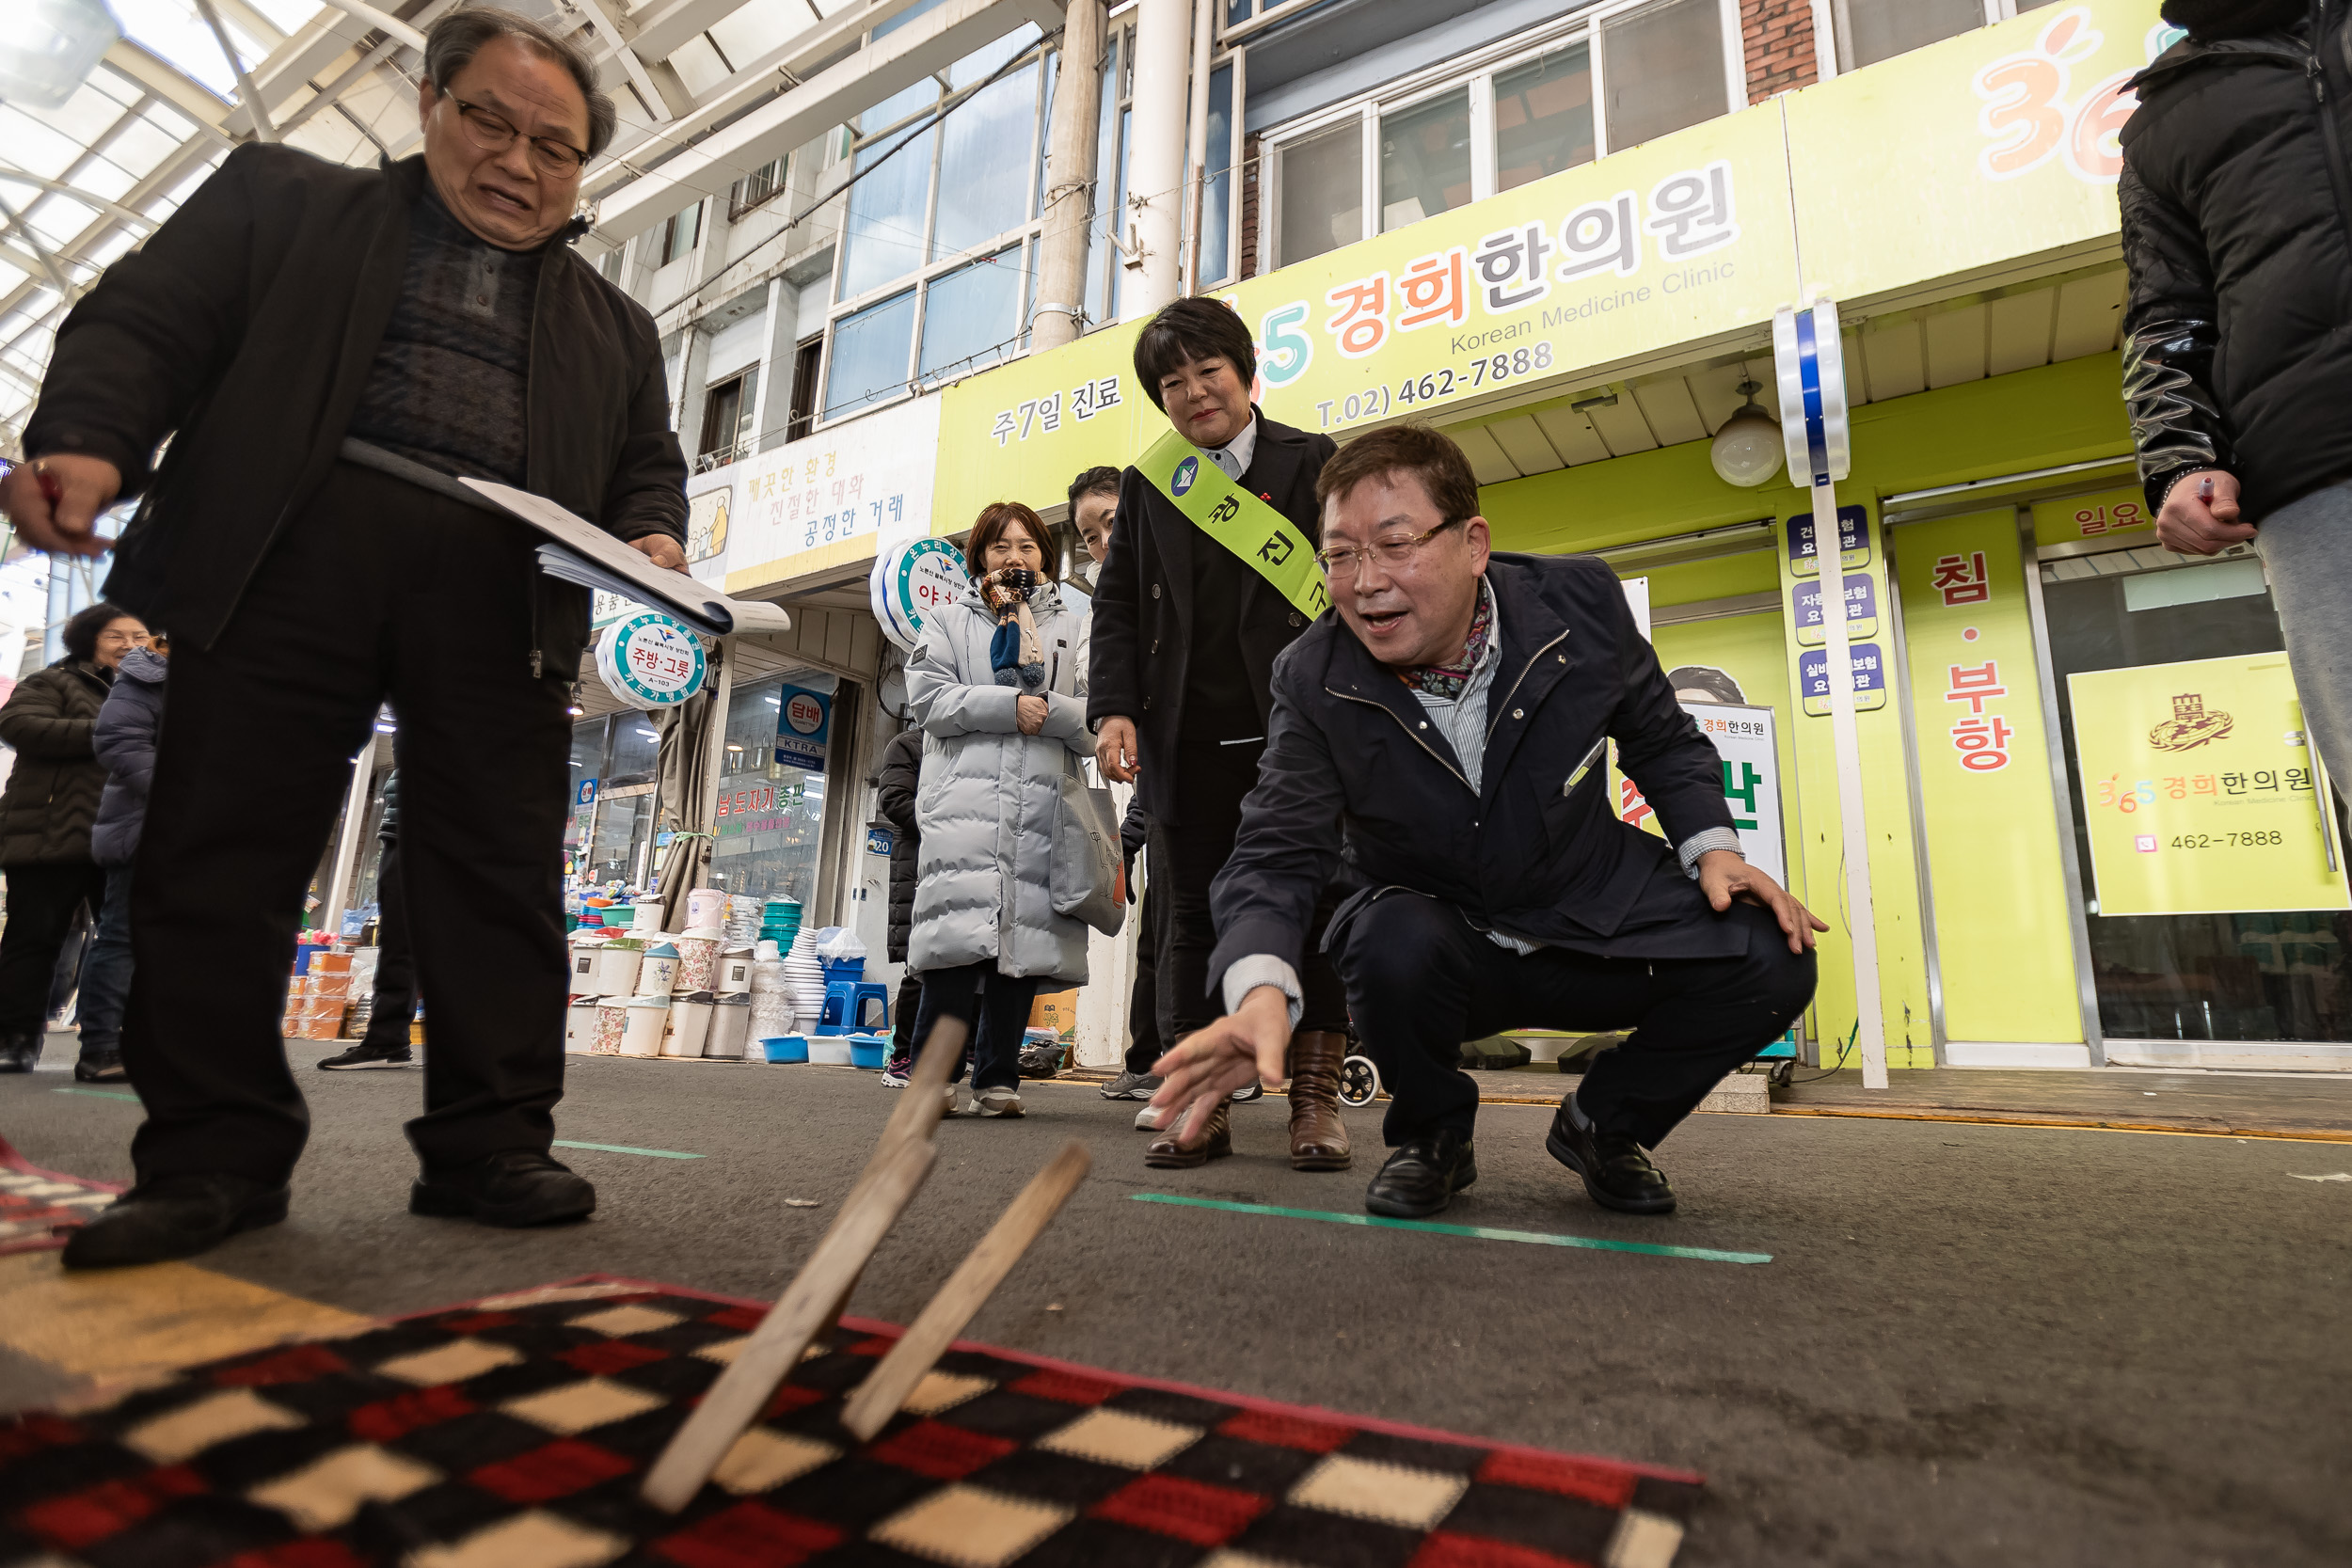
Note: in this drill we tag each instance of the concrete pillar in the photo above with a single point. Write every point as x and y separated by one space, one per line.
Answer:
693 364
771 409
1070 196
1197 138
1155 166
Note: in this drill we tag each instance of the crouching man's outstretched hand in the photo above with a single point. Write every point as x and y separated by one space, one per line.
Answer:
1240 1049
1724 876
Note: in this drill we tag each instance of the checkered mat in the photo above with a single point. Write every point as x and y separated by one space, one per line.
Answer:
38 1208
512 1433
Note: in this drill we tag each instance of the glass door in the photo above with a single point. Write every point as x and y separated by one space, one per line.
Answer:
2210 847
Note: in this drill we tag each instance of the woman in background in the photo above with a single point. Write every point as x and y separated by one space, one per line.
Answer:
124 742
994 689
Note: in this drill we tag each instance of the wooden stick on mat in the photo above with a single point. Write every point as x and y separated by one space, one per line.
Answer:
983 1270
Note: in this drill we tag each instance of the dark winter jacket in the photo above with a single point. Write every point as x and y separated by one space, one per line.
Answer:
1142 637
125 745
898 780
244 329
388 831
52 796
2237 233
1352 770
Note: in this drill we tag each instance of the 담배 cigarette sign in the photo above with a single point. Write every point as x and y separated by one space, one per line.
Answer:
2199 790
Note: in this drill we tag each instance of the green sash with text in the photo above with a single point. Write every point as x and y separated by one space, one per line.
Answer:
1267 542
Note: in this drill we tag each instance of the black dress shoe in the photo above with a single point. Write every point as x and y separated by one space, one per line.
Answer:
519 1187
173 1216
19 1051
1422 1176
1616 1169
99 1067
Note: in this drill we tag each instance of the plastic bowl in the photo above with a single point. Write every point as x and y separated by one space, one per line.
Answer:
828 1049
870 1051
785 1048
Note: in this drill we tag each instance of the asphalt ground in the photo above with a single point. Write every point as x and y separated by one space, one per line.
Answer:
1973 1344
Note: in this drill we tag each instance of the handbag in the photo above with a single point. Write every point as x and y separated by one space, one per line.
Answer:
1087 874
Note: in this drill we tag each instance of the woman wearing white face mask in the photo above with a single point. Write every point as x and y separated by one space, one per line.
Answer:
993 688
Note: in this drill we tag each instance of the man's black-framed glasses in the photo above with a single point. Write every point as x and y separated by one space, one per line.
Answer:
493 133
1393 553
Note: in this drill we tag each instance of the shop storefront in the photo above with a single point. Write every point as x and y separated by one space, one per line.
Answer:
2051 885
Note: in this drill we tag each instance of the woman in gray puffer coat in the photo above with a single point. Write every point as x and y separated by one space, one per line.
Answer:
993 688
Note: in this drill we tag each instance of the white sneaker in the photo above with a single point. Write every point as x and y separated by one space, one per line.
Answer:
1000 1101
1150 1119
960 1101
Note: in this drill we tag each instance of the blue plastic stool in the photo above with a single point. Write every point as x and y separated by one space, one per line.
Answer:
845 1008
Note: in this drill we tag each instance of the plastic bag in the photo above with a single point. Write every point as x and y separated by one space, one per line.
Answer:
839 943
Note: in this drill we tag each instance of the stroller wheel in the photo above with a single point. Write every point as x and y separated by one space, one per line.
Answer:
1359 1081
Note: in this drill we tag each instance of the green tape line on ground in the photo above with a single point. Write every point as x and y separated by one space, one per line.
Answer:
101 1094
624 1148
1479 1232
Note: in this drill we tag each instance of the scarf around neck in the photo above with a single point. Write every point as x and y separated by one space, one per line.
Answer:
1015 653
1447 682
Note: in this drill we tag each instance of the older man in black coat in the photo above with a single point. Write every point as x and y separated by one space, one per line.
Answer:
1448 733
327 350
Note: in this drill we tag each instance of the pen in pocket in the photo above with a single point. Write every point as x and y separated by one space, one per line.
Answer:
1585 767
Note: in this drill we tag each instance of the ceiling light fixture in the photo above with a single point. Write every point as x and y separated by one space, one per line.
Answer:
1747 449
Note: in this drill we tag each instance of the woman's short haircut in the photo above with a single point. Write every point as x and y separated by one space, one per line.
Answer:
458 38
1101 480
1716 682
1408 448
81 633
994 518
1192 328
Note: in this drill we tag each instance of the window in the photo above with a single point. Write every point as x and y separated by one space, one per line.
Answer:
941 229
727 410
756 187
1869 31
679 234
1454 135
770 818
609 264
1216 195
808 359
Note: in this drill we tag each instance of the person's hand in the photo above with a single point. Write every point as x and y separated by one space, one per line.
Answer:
69 524
1249 1047
661 550
1724 876
1030 713
2191 525
1115 751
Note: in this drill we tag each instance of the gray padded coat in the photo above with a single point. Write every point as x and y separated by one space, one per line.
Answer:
989 795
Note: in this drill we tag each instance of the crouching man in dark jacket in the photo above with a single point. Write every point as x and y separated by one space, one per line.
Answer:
1447 733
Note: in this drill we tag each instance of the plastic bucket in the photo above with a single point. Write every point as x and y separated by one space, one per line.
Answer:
612 1023
706 906
689 1027
698 954
616 969
647 1018
843 969
730 1025
732 974
579 1026
785 1048
870 1051
645 916
828 1049
658 975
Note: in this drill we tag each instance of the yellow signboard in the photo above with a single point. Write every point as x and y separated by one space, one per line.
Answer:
1686 237
2108 513
1997 144
2197 788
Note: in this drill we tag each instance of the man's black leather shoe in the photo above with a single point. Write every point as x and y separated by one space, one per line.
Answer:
519 1187
19 1051
1422 1175
173 1216
1616 1170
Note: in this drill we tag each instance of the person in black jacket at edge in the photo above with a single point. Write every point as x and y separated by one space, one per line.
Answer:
325 347
1183 649
2238 331
1447 735
897 780
393 994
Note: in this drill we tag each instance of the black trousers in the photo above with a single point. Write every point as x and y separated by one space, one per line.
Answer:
1186 859
903 1013
376 589
1422 980
1001 1012
42 901
395 1004
1145 1043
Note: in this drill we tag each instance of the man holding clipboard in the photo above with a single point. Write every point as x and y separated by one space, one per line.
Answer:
1211 575
329 350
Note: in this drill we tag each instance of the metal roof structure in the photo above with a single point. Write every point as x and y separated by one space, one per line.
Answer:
706 91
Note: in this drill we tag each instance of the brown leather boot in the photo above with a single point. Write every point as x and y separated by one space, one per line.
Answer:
1166 1154
1318 1136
